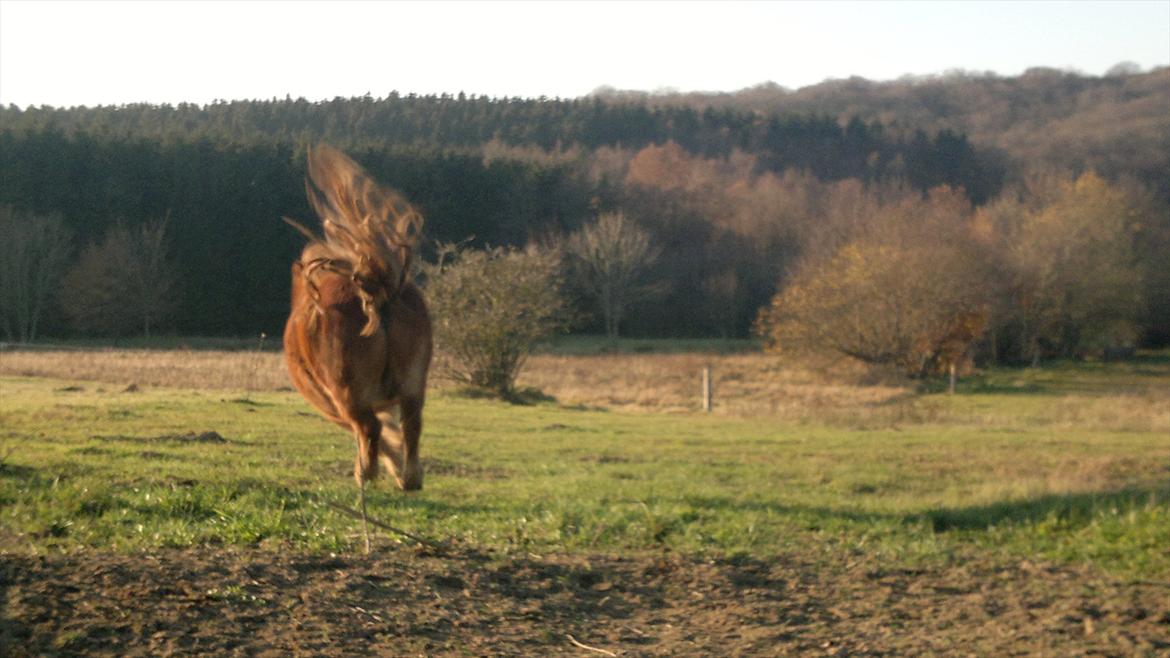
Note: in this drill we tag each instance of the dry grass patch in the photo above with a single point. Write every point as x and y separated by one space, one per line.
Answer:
1117 398
743 384
253 371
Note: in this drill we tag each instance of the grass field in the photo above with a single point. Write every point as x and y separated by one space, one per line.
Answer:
1067 465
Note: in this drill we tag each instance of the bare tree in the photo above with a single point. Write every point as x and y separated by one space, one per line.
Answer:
122 284
153 278
34 251
610 258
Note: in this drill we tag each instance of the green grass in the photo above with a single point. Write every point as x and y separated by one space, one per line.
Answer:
998 470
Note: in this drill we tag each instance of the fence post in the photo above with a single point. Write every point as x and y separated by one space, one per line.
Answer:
707 389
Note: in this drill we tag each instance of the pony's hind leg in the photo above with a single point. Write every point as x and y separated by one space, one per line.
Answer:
412 475
367 430
399 443
390 452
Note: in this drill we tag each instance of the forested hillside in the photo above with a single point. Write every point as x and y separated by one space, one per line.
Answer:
740 192
1115 124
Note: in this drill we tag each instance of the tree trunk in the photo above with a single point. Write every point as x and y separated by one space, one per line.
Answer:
612 320
706 390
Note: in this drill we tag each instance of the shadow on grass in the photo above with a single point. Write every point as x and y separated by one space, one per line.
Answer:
812 517
1001 381
16 471
521 396
1070 509
1000 388
1091 376
1161 358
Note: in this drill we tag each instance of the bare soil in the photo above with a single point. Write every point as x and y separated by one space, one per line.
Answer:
404 601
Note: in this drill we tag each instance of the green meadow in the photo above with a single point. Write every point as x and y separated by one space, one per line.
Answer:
1069 464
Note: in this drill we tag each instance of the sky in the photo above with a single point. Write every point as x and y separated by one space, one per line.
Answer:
108 53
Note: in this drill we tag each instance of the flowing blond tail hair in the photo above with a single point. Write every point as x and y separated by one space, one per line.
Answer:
370 231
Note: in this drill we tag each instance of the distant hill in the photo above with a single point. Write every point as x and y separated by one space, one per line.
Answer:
1114 124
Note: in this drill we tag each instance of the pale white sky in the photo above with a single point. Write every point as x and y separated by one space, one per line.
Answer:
90 53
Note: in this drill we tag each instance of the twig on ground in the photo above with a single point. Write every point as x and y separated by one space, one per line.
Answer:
589 648
356 608
386 526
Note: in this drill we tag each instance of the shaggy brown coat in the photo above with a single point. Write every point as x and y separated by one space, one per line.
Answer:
358 341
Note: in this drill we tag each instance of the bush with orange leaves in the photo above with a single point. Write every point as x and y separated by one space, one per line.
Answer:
908 288
912 307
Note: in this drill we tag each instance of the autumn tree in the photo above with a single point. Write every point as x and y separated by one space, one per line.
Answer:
610 259
123 284
1074 278
666 167
904 289
880 304
34 252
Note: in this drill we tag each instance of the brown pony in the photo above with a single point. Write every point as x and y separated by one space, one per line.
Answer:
358 340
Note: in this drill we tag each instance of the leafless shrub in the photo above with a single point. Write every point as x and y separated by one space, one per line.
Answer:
490 308
34 252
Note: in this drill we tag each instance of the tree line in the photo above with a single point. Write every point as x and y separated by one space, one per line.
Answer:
818 142
738 208
225 173
1115 124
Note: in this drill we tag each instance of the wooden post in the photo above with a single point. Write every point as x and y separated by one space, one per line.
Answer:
707 389
951 390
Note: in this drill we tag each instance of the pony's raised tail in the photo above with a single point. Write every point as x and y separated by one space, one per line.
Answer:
370 232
